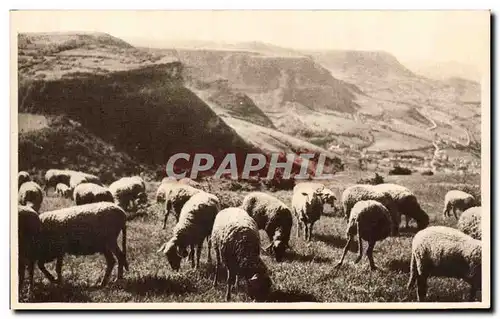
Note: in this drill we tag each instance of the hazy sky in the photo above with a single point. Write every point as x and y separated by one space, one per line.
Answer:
461 36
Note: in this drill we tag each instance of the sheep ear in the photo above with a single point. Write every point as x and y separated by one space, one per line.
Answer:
254 277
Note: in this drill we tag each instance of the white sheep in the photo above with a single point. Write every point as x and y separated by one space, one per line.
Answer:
470 222
163 189
22 177
29 228
78 178
371 221
56 176
176 195
63 190
327 195
307 207
88 193
31 194
356 193
195 225
444 252
129 192
457 200
406 203
273 216
236 242
83 230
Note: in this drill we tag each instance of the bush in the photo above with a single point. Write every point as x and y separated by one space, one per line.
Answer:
398 170
377 179
279 183
427 172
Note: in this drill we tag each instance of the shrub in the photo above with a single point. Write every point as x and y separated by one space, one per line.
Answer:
279 183
398 170
377 179
427 172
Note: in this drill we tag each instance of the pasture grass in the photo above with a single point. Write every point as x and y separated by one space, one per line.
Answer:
307 274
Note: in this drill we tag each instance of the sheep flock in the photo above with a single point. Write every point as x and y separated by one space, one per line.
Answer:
245 242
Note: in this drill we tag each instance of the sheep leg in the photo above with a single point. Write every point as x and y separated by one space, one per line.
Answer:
472 292
311 230
446 210
191 255
209 253
230 283
121 258
344 252
369 254
236 284
31 273
59 263
198 255
217 266
360 248
298 228
455 213
306 232
21 267
41 266
110 263
421 287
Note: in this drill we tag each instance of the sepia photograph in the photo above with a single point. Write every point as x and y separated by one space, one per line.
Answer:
250 159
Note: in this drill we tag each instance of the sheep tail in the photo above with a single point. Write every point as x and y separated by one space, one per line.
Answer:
413 272
124 244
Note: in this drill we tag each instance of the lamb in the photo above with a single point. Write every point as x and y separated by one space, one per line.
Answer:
22 177
195 225
274 217
406 203
129 191
371 221
31 194
63 190
470 222
236 242
307 208
29 228
83 230
356 193
176 196
457 200
444 252
88 193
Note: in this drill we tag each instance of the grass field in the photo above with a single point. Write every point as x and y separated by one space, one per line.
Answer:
307 274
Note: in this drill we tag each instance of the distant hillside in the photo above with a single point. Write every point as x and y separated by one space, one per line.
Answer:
133 101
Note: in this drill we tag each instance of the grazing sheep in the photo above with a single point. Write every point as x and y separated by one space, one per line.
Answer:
29 228
56 176
88 193
371 221
163 189
236 241
31 194
176 196
470 222
273 216
444 252
327 196
457 200
356 193
69 177
406 203
128 192
83 230
78 178
22 177
307 208
195 225
63 190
